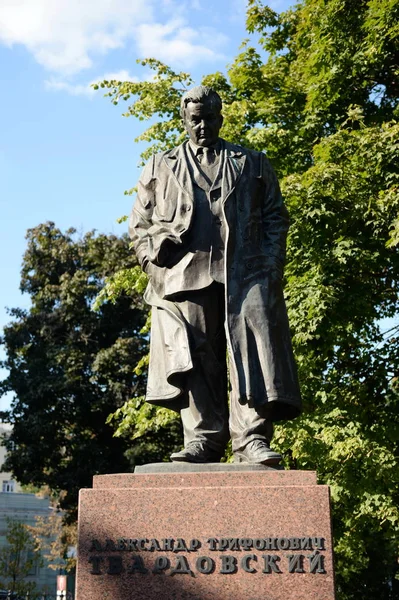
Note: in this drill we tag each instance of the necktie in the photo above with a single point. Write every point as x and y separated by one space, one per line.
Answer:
208 157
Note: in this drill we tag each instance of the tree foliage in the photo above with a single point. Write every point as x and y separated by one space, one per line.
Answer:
69 366
55 540
18 558
317 90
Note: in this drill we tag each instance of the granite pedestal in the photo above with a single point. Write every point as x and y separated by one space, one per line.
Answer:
208 534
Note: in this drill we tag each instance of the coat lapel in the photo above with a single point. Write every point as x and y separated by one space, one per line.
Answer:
234 161
233 164
177 161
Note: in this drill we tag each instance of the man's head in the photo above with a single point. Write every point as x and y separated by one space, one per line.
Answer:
201 113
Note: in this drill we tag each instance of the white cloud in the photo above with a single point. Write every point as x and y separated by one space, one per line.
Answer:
86 89
78 89
174 42
65 35
121 75
69 36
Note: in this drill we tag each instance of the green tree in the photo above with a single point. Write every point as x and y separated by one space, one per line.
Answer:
18 558
70 366
55 539
317 90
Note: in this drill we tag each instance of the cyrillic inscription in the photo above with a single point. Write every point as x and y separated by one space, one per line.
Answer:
267 556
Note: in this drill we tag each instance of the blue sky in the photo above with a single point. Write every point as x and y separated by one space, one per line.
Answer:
66 153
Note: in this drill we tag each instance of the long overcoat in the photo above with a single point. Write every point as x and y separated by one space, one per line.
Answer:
261 364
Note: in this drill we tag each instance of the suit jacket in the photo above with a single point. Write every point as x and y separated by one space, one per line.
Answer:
262 367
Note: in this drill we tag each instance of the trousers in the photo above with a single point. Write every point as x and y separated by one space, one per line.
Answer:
205 414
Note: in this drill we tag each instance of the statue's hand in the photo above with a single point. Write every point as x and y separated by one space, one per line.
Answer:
166 254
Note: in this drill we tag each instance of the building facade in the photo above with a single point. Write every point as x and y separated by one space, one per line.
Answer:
15 505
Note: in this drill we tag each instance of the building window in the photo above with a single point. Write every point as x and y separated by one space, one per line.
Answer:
31 557
8 486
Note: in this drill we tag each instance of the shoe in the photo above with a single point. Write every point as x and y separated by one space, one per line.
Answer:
197 452
257 453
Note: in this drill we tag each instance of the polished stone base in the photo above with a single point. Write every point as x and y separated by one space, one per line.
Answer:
210 535
186 467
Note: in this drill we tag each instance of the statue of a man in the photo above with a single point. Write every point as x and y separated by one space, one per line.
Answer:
209 228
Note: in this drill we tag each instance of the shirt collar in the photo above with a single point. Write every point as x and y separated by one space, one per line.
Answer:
200 149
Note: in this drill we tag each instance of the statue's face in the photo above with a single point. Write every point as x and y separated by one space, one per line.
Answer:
202 123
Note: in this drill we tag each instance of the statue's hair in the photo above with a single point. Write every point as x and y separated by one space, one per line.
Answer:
200 93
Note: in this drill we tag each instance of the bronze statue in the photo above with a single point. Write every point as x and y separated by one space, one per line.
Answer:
209 228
